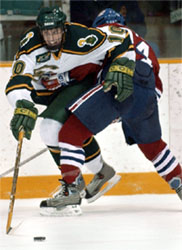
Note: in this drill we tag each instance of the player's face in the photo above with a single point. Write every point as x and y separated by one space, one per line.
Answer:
53 38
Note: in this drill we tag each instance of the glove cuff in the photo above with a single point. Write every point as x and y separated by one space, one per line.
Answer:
122 69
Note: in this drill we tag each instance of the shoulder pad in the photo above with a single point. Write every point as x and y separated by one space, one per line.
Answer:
83 39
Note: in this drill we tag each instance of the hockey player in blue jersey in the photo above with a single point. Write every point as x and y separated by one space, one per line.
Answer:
135 104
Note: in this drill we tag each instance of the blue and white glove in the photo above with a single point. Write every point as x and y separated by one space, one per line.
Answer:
54 81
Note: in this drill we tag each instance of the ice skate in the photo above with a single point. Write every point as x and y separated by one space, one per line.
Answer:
179 192
176 184
66 202
107 175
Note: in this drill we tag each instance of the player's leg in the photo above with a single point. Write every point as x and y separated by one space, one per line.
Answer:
165 163
72 184
74 132
55 115
92 112
103 173
145 130
106 177
49 131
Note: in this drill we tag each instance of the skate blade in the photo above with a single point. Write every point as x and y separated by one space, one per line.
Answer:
71 210
111 183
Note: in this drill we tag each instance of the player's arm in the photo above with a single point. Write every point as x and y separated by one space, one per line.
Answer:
18 91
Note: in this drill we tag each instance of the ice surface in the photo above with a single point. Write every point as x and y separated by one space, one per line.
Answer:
138 222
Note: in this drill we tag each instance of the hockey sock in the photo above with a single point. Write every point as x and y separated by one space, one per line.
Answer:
71 138
74 132
163 160
55 153
93 158
91 148
152 150
69 173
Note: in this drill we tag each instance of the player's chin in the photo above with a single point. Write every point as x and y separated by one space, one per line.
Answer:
54 47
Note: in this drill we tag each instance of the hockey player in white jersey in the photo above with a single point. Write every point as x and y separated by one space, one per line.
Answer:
55 63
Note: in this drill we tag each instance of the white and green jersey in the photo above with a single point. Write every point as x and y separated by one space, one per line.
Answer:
84 51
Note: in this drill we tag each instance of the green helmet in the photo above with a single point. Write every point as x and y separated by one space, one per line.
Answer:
51 17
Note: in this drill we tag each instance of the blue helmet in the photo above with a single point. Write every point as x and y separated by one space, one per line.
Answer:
108 16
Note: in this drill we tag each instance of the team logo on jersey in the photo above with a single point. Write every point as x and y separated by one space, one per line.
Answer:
43 57
89 40
26 39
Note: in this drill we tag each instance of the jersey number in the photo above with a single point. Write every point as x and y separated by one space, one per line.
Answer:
143 49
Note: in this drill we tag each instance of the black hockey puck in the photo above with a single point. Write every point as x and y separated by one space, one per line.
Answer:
39 238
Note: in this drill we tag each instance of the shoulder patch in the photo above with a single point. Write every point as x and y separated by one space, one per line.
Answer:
89 40
43 57
26 39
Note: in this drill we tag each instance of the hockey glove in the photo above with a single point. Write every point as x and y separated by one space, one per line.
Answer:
120 75
51 84
25 116
55 81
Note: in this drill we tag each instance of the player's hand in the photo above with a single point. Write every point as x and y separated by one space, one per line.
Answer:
25 116
120 75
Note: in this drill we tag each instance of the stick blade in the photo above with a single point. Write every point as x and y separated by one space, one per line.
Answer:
8 229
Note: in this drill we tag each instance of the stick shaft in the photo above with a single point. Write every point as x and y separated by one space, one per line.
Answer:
14 183
24 162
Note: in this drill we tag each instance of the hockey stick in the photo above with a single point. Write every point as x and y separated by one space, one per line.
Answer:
15 177
24 162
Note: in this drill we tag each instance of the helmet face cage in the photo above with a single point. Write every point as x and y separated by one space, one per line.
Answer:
51 17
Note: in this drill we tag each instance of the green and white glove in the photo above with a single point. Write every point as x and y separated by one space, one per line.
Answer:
120 75
25 116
